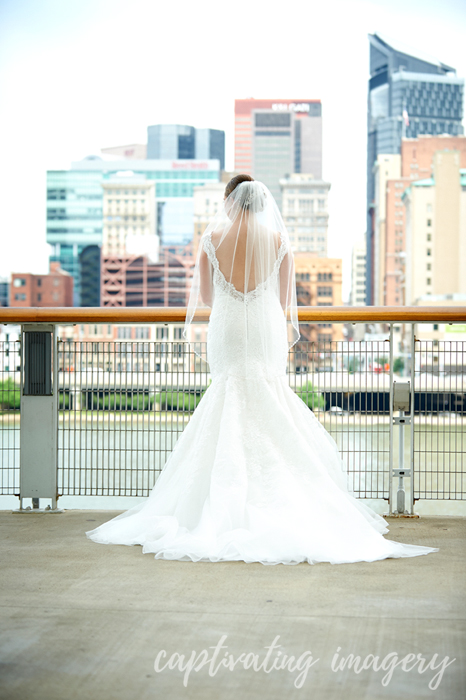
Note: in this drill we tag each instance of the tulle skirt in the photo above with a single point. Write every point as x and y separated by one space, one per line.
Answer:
254 477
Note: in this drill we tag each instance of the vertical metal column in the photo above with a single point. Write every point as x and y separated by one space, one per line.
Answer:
390 438
39 417
413 396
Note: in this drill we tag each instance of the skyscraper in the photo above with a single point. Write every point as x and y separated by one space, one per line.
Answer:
407 96
178 141
276 138
436 230
416 163
305 212
358 274
75 200
89 264
129 215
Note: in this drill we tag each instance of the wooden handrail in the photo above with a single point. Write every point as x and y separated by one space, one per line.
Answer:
348 314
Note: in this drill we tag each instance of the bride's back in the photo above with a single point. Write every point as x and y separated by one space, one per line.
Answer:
245 273
240 255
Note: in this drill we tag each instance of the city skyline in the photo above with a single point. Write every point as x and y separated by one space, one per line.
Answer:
409 95
61 68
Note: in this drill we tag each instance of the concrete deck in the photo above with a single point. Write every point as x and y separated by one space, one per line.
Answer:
83 620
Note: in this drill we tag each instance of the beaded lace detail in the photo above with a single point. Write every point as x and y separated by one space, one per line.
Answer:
228 287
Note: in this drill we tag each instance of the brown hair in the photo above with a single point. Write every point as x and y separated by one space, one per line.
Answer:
235 181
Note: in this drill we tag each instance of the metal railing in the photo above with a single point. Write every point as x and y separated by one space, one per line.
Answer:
121 405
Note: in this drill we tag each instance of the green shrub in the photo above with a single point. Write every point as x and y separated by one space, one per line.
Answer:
312 398
124 402
66 397
398 365
353 365
177 400
10 397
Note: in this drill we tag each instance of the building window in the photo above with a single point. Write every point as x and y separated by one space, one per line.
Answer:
39 282
429 222
20 297
124 332
142 333
39 297
19 282
161 333
177 333
429 251
435 326
324 291
429 236
429 281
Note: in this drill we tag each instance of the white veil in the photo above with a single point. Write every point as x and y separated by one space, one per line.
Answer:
246 250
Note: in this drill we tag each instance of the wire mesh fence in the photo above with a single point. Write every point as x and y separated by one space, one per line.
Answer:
347 386
439 429
10 398
123 405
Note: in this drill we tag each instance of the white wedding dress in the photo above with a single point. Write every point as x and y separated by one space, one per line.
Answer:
254 476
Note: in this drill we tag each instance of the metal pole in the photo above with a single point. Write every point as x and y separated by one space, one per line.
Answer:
390 443
55 403
400 496
413 395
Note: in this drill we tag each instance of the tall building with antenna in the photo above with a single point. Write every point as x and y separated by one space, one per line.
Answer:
408 95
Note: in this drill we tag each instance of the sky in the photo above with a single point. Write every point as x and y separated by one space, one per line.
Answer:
80 75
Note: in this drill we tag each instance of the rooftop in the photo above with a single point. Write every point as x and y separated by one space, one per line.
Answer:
407 50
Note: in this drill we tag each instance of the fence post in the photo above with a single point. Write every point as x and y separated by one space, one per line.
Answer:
390 439
39 417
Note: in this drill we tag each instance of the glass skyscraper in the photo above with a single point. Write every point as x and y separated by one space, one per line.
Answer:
75 204
173 141
407 96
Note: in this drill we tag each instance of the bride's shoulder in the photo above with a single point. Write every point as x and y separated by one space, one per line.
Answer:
279 240
216 237
270 233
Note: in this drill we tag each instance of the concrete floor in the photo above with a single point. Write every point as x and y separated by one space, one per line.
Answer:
83 620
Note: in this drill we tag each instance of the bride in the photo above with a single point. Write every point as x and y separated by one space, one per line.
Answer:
254 476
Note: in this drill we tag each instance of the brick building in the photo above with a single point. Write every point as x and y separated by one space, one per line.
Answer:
131 280
54 289
318 283
416 164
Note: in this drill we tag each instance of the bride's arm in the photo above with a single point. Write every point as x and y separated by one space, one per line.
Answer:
287 273
205 282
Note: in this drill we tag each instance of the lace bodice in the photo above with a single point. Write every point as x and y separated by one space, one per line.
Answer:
247 333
